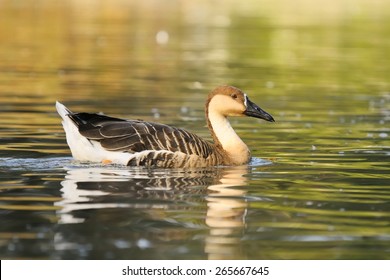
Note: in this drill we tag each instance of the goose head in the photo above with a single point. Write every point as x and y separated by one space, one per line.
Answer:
231 101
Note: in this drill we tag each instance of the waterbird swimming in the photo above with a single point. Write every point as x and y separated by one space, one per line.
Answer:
104 139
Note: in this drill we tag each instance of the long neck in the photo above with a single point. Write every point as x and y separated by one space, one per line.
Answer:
225 137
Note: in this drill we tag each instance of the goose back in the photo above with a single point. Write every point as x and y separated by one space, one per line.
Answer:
155 144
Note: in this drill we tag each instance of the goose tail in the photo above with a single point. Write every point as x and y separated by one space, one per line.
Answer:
62 110
82 148
75 141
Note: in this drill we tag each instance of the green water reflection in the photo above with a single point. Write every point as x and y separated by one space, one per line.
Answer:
321 70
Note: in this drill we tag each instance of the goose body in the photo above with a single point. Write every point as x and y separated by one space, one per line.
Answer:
100 138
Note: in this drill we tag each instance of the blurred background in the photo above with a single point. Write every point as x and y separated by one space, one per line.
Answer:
78 49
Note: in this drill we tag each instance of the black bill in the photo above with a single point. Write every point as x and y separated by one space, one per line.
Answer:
252 110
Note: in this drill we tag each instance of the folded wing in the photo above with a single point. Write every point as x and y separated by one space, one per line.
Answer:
133 136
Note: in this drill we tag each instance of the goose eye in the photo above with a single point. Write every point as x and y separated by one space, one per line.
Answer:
234 96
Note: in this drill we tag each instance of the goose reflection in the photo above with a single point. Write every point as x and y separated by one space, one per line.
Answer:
226 211
157 193
102 187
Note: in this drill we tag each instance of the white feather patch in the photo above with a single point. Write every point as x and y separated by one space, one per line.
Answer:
84 149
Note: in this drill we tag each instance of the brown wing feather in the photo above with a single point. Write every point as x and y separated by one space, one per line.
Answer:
136 136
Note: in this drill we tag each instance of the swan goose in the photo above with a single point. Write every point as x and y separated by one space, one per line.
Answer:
104 139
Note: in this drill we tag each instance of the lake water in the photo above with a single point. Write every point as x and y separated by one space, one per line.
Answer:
318 186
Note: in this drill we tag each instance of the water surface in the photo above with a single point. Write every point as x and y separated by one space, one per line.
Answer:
317 188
